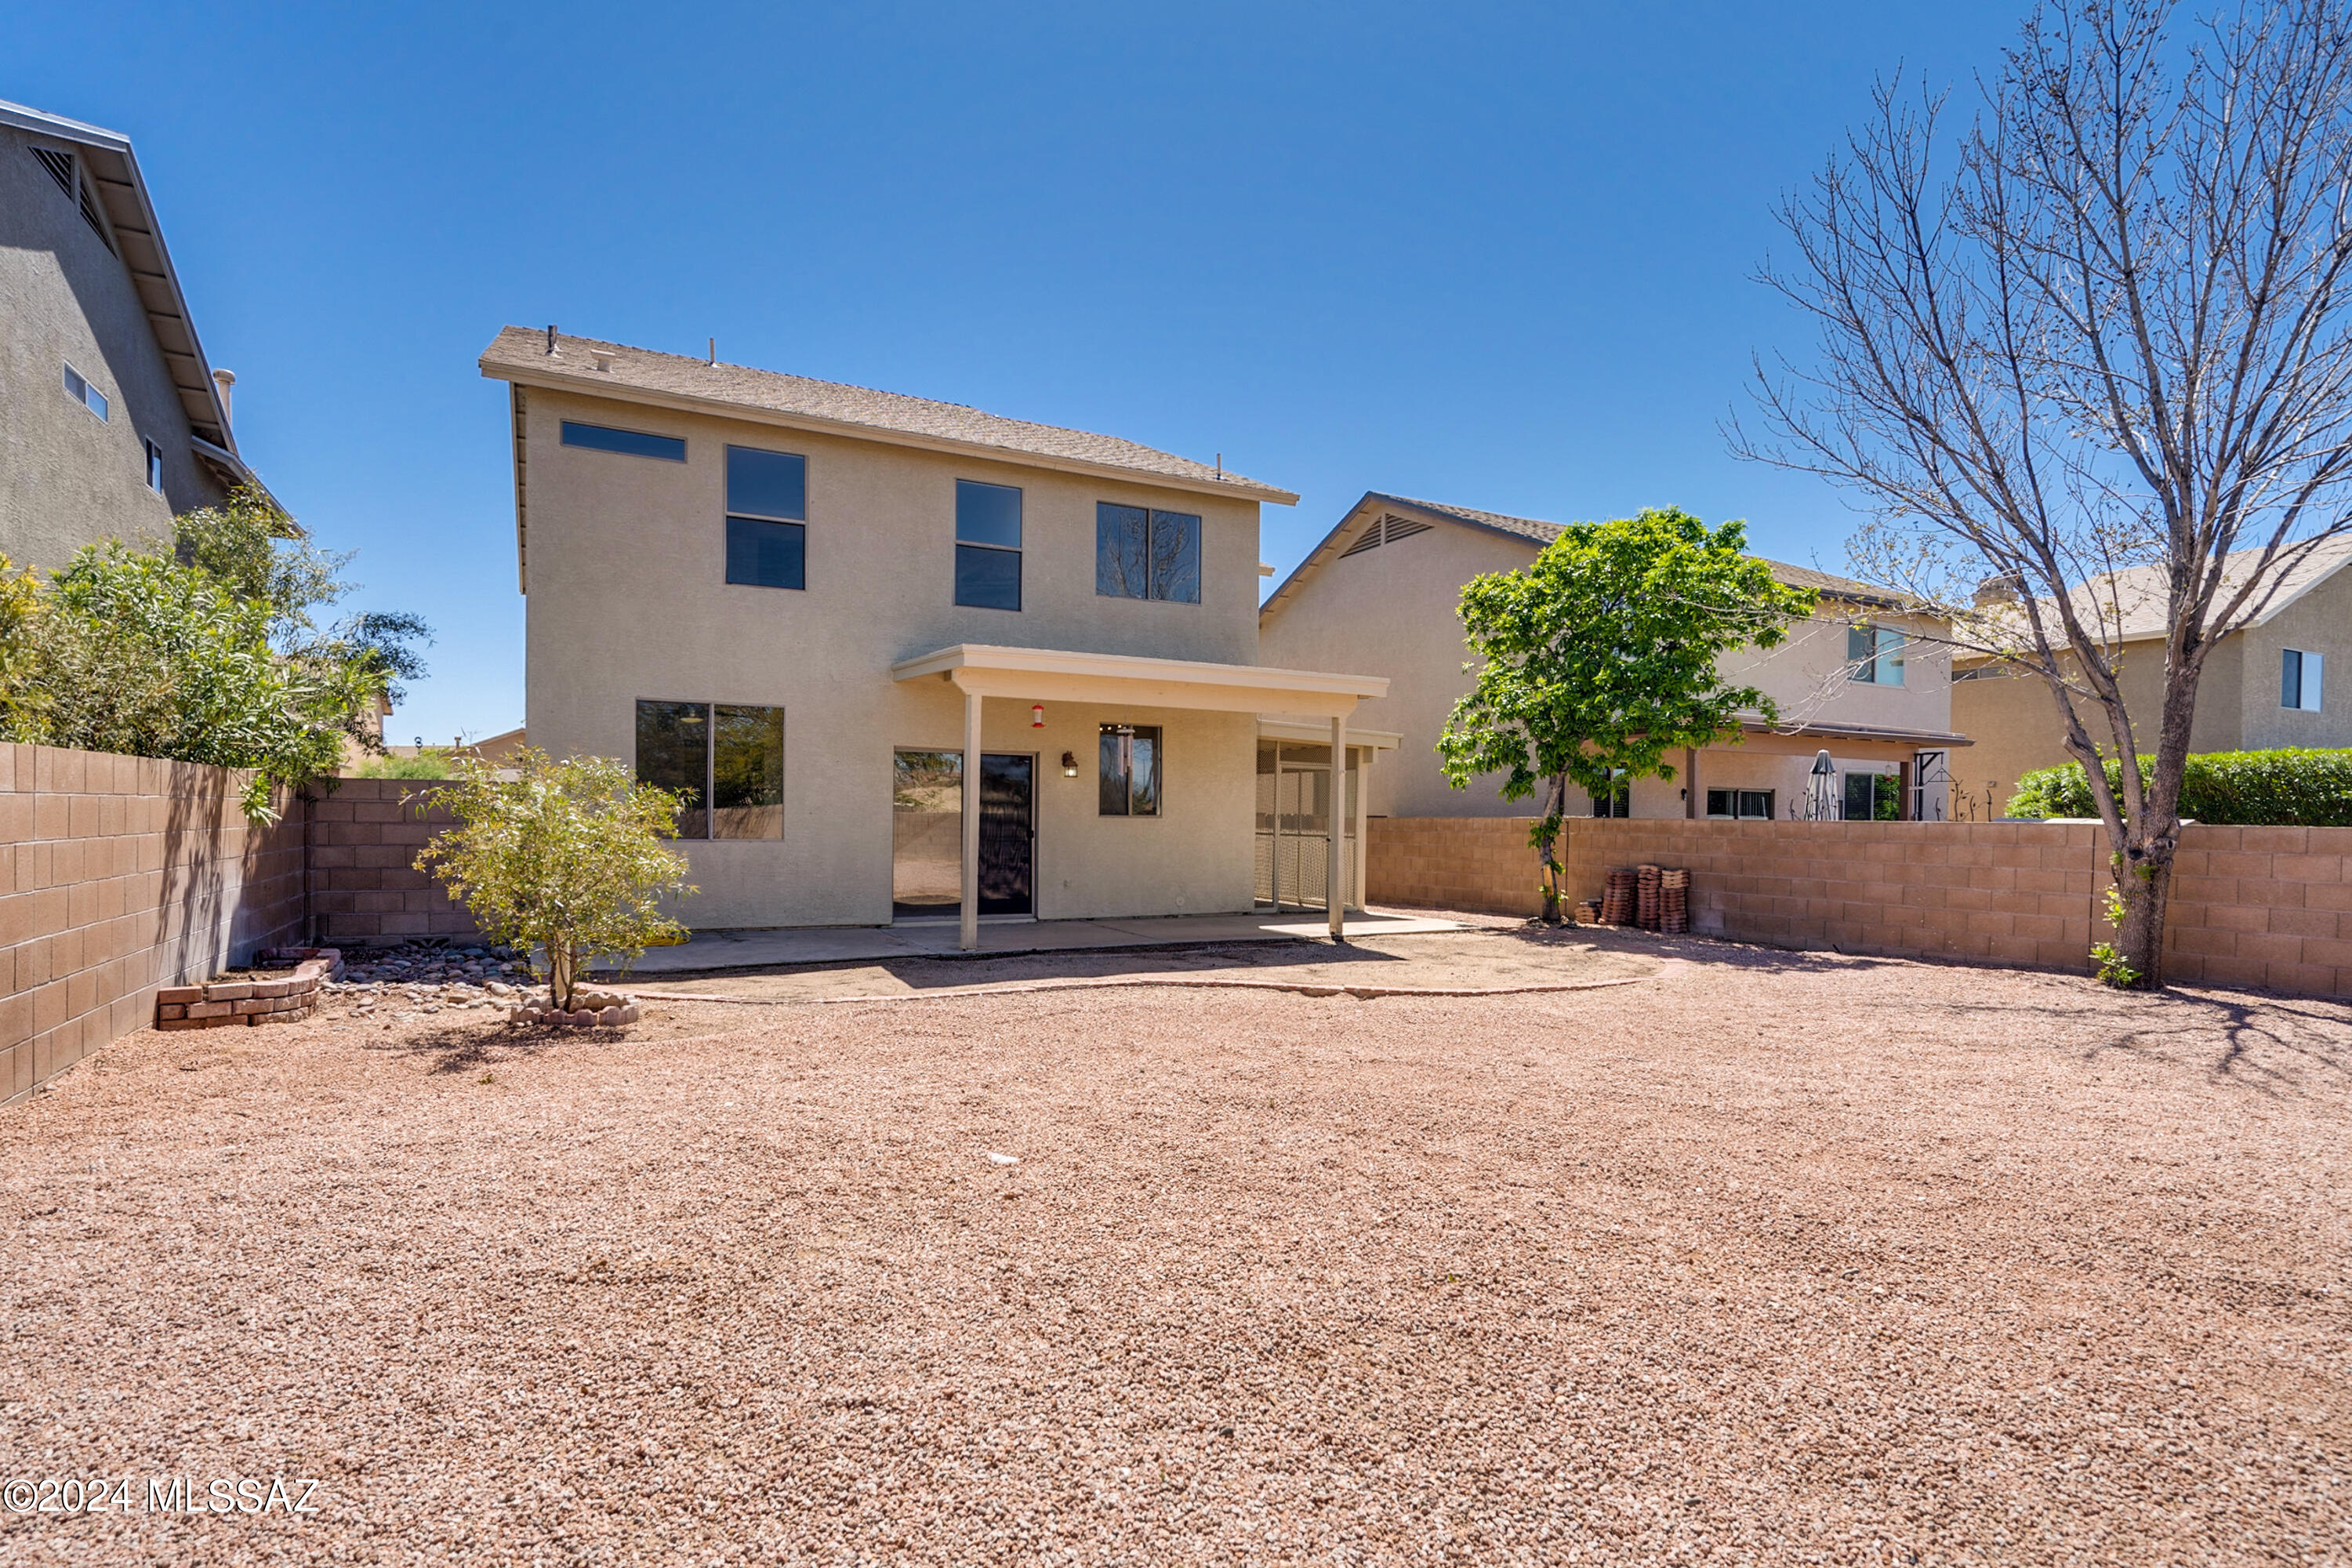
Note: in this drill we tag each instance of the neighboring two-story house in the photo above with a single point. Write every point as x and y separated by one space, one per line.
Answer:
1863 682
904 659
2283 680
115 422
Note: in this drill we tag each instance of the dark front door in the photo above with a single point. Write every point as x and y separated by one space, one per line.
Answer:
1008 833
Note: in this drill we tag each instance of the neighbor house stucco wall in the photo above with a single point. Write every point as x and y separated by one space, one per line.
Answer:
1394 610
628 599
67 478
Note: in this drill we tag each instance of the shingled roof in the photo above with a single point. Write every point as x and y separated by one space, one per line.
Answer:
2132 604
1380 504
523 355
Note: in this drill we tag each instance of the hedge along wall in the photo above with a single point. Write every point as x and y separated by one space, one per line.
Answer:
2267 907
119 874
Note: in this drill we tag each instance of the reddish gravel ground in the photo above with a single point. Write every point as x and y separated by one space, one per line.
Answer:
1765 1257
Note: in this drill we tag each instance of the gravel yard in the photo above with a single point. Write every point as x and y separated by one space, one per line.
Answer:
1761 1256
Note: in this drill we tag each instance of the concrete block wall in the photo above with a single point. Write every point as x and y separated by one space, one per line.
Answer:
364 889
2262 906
2269 907
120 875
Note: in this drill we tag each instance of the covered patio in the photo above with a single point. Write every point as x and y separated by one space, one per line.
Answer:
1037 676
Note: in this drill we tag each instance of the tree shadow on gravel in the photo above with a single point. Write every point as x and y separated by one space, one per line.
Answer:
2275 1044
458 1048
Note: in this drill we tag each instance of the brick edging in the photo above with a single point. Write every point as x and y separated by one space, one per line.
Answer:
227 1002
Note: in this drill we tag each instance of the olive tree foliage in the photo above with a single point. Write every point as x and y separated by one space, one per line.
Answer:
566 858
2096 325
1599 659
209 652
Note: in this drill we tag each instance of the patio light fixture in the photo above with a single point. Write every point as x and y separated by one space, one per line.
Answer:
1069 764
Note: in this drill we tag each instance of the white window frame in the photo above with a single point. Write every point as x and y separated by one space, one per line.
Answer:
2310 671
154 468
82 390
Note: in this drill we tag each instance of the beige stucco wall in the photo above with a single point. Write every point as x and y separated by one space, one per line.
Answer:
2015 721
1394 611
628 599
66 478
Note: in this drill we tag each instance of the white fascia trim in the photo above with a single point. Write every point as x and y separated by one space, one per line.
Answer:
588 386
984 657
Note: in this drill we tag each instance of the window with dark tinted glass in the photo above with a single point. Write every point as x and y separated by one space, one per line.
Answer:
635 443
988 546
1141 554
1740 804
726 761
1129 780
767 500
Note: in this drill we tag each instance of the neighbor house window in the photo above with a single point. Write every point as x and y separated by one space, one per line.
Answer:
1145 554
1873 797
1740 805
988 546
78 388
1130 770
724 761
1875 654
634 443
2299 679
154 468
1616 801
767 504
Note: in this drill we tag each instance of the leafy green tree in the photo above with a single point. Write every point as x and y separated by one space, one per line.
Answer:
211 653
1600 658
566 857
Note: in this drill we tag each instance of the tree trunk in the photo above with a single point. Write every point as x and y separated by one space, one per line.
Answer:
1555 822
2144 886
561 980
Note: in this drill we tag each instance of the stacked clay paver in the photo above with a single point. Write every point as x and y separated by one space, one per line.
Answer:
221 1003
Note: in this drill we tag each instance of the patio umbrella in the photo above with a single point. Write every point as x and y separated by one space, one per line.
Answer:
1820 797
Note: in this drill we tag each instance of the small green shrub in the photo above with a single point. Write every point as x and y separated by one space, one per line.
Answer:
2287 788
432 762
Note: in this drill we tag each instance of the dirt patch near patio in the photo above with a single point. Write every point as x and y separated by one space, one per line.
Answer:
1456 961
1768 1255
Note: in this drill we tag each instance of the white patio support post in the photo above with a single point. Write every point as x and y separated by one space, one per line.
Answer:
1335 886
970 937
1363 844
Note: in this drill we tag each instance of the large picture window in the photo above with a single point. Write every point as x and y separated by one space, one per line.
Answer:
725 761
1876 654
988 546
1145 554
767 507
1873 797
1130 770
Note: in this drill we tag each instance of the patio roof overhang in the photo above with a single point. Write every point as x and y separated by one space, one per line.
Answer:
1755 725
1060 675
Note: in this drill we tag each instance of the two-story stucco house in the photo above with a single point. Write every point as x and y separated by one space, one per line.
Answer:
2281 680
115 423
1863 682
905 660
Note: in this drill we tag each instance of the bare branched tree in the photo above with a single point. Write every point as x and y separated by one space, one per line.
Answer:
2100 327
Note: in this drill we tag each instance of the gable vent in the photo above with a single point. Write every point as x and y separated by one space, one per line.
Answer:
1368 540
61 169
1403 527
59 165
1388 529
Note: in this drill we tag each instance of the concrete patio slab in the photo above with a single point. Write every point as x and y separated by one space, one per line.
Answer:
717 952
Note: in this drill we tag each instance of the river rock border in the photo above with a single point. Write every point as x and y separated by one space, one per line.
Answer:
609 1018
223 1002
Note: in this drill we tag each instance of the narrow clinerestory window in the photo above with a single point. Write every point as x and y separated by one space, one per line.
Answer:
724 761
78 388
630 443
1876 654
988 546
1141 554
767 507
1130 770
2300 680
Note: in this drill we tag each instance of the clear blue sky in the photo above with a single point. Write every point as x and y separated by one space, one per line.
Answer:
1492 254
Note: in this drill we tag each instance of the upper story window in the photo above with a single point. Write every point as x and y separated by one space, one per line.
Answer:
988 546
1876 653
1145 554
78 388
2300 680
767 503
725 762
154 468
634 443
